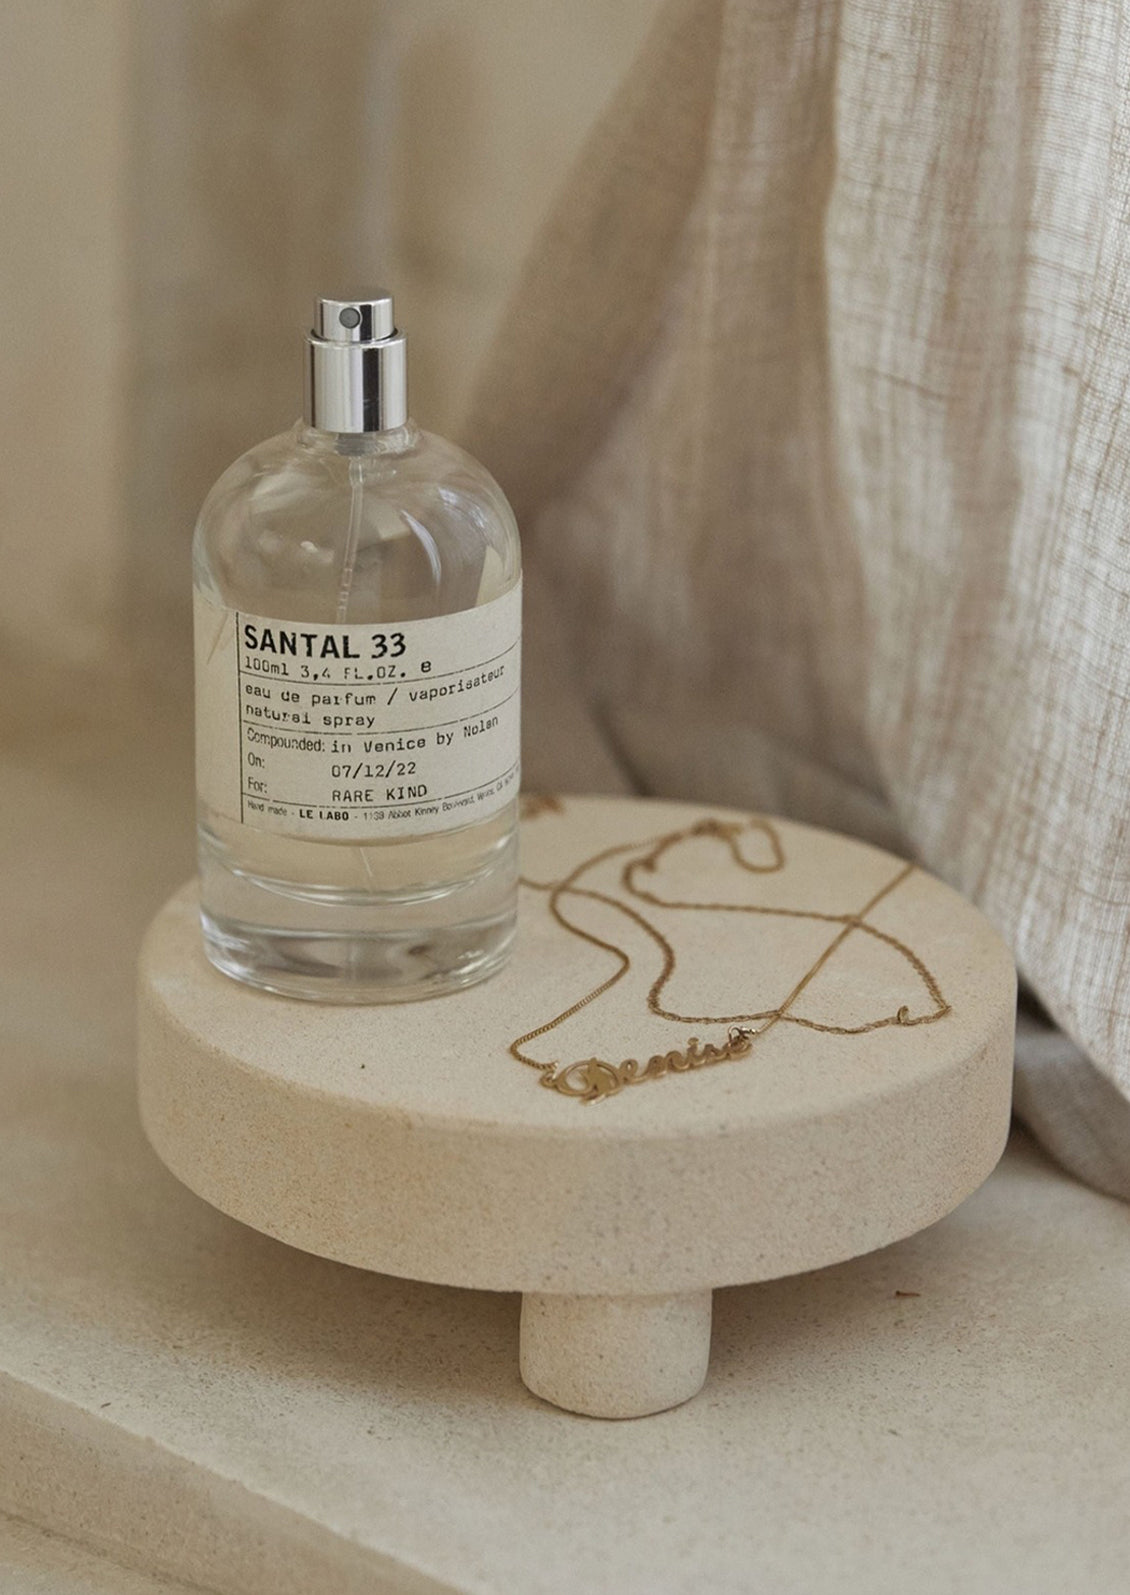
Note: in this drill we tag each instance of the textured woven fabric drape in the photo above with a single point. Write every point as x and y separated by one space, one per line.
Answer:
813 401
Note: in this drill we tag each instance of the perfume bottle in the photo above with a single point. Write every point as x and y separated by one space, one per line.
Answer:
357 603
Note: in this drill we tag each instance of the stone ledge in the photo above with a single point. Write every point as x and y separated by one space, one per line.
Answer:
951 1410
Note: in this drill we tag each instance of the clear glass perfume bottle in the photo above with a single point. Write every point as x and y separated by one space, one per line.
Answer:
357 607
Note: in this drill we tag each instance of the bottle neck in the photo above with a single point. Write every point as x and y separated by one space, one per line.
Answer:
367 445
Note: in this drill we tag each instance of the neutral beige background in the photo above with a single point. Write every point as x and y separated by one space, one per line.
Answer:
951 1412
180 177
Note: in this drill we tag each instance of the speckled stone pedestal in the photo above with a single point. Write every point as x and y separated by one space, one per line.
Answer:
774 1049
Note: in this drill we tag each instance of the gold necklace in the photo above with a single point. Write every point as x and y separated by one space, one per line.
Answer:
593 1079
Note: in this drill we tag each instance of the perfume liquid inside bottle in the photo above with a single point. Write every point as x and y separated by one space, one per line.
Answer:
357 614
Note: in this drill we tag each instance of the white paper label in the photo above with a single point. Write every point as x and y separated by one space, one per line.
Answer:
358 732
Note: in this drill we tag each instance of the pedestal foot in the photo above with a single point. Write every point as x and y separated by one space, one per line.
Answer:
616 1356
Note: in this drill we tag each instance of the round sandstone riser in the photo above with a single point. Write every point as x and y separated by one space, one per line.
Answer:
795 1049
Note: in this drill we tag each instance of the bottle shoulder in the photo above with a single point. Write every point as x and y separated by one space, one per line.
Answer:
408 463
397 515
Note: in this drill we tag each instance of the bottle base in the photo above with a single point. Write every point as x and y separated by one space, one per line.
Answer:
325 967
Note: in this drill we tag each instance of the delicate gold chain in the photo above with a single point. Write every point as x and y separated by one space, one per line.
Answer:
592 1079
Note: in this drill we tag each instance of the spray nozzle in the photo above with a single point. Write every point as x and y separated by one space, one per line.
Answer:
355 368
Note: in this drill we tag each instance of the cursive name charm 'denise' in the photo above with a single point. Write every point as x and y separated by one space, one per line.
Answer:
593 1079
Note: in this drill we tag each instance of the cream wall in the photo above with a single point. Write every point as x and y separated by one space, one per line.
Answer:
492 101
179 178
65 143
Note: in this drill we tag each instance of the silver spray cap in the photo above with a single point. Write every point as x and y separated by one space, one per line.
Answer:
356 377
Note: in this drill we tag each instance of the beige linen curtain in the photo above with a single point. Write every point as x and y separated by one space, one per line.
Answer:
813 401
